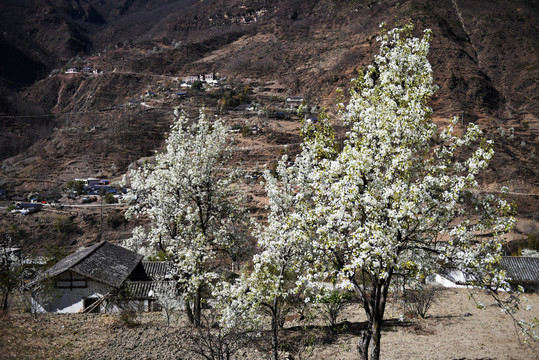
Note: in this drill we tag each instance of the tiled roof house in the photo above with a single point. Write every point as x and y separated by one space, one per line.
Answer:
82 281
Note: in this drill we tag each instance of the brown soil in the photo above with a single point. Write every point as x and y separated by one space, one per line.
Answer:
454 329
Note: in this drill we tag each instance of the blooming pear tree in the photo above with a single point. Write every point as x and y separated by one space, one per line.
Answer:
11 270
393 202
397 200
272 287
194 206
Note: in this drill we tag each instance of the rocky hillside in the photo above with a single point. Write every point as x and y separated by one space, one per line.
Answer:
57 126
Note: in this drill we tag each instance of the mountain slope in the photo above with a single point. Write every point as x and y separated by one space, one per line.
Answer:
484 58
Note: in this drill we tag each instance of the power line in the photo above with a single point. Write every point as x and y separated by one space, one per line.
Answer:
78 112
26 116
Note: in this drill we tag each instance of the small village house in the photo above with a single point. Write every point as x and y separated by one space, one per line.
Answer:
101 278
294 102
27 208
190 79
209 78
520 271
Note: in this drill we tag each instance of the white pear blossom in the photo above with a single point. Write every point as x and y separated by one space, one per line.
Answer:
165 291
193 204
390 203
272 287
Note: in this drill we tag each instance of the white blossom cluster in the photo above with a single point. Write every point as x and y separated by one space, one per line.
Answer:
284 246
166 293
191 200
390 201
397 198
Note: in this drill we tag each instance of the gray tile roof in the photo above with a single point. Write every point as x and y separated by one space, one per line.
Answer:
154 269
104 262
521 270
140 289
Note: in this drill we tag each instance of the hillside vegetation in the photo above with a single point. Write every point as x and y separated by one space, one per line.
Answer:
56 126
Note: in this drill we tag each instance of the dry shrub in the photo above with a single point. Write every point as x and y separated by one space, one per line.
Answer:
418 300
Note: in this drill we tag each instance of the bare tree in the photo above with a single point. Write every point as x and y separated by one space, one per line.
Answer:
210 341
167 295
11 269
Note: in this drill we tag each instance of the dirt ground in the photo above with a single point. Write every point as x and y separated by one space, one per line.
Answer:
454 329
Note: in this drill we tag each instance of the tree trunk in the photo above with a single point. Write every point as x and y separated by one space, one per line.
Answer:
198 306
379 315
189 312
273 310
376 331
374 298
227 352
5 300
363 344
275 336
167 313
194 309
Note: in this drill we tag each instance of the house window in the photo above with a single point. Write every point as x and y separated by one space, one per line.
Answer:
70 280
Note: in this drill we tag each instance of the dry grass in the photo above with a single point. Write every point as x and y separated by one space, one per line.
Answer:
454 329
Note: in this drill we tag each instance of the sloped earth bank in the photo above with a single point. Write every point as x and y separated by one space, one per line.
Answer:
454 329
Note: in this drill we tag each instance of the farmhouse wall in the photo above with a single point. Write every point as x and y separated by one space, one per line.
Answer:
68 299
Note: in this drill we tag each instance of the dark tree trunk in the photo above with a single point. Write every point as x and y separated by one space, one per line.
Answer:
273 310
376 331
5 300
363 344
374 295
194 309
382 289
198 306
275 336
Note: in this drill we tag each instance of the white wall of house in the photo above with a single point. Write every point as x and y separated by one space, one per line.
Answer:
453 279
445 282
68 294
190 79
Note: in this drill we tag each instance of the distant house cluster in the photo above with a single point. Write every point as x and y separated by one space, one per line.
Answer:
84 70
207 78
95 186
